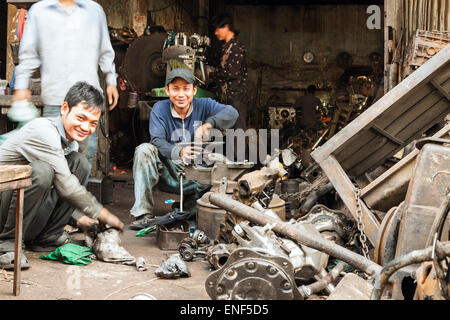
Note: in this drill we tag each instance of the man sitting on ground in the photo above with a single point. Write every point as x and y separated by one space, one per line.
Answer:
59 176
172 121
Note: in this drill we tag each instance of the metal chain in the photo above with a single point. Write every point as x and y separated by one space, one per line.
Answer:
360 224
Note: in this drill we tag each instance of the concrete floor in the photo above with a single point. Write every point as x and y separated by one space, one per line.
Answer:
54 280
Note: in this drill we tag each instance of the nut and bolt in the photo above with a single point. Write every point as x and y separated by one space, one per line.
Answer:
251 265
272 270
286 285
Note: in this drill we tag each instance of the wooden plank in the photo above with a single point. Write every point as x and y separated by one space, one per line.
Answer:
18 241
23 183
378 182
368 149
424 94
346 190
436 65
438 113
440 89
367 136
387 135
14 172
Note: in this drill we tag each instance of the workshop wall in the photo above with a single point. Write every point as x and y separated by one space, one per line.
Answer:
276 38
186 15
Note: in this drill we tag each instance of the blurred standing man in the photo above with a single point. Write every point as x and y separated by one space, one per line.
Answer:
68 40
231 74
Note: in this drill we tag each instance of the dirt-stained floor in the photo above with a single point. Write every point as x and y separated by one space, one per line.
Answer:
54 280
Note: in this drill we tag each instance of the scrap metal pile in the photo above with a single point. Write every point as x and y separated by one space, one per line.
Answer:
367 220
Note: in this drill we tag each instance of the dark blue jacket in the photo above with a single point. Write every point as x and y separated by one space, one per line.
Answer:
166 127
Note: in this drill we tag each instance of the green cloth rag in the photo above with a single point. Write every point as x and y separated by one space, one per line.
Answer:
71 254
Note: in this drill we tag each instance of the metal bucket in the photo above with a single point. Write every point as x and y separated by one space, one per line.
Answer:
209 218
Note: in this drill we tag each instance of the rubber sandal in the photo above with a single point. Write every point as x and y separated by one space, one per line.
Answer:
7 261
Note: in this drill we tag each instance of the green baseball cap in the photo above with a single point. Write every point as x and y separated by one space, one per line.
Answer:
183 73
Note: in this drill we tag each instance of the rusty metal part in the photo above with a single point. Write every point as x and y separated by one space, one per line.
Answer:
259 185
324 282
352 287
428 287
307 262
209 217
441 250
312 198
218 254
296 233
213 175
333 225
387 237
424 198
399 117
252 275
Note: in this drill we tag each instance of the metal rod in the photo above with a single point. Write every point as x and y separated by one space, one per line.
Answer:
181 190
295 233
417 256
325 281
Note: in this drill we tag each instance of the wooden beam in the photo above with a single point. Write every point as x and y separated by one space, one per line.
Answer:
440 89
346 190
387 135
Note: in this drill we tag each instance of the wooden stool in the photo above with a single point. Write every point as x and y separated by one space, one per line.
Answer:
11 178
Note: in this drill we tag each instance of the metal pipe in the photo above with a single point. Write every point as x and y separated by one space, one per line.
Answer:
442 250
295 233
324 282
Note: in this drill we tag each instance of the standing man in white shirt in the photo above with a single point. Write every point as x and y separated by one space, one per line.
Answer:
68 40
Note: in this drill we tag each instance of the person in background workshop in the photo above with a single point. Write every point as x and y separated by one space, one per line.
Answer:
68 40
59 175
172 121
231 74
309 105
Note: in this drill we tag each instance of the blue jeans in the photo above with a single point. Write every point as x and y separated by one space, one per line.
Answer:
88 147
150 169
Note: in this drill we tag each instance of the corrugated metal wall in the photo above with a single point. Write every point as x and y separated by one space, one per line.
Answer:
430 15
402 19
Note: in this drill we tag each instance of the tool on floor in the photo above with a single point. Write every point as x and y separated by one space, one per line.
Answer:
144 231
151 228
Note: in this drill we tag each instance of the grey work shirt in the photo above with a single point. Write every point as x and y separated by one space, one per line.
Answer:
68 45
45 139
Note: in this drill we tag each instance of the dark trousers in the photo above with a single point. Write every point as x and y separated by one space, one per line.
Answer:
44 213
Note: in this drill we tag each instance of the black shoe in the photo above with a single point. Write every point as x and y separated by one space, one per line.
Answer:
141 222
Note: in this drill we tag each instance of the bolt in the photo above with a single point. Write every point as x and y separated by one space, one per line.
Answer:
219 289
285 264
251 265
210 284
230 272
272 270
286 285
241 254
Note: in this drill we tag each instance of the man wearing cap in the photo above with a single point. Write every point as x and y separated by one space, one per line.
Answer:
172 121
